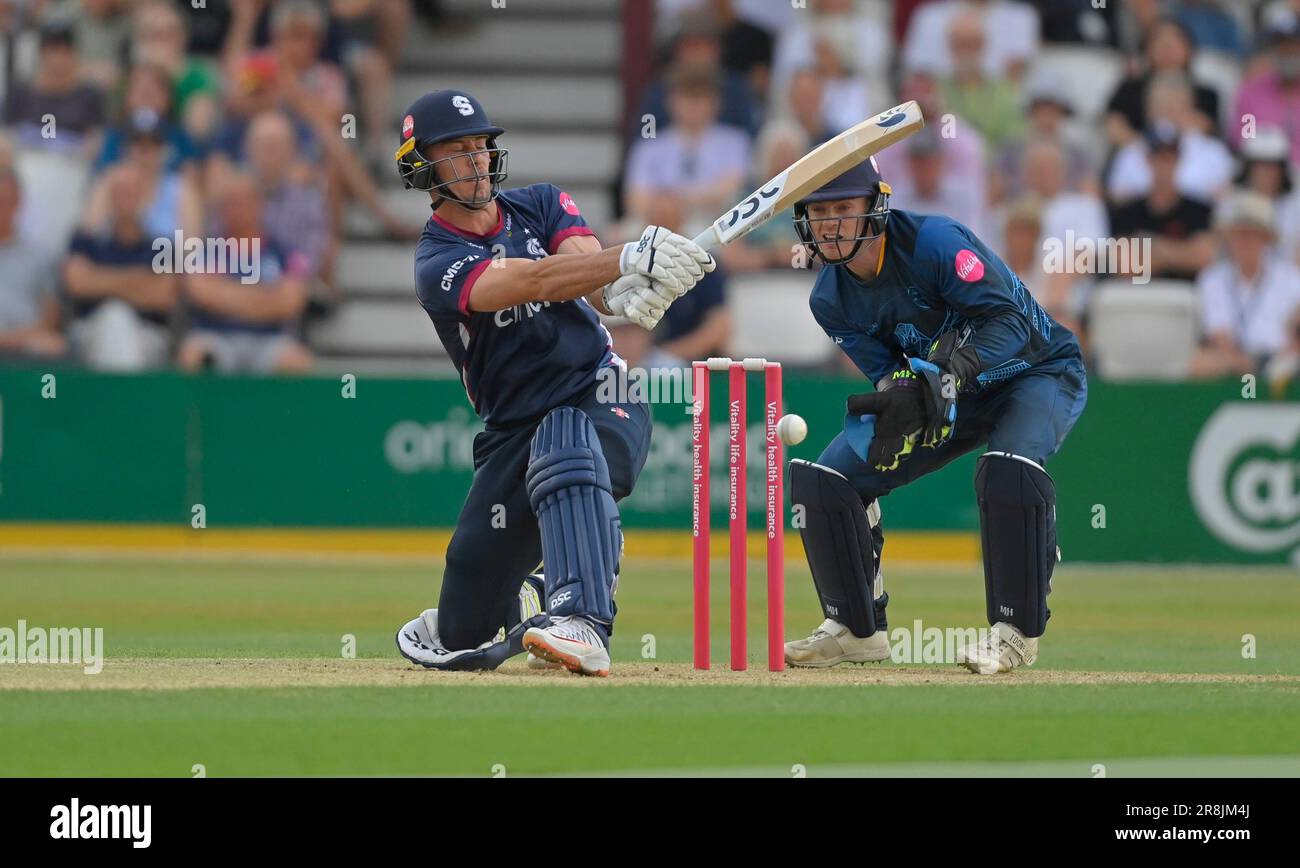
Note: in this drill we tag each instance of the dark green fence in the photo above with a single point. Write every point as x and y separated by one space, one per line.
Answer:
1151 472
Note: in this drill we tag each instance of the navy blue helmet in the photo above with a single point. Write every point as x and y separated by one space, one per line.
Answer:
440 117
861 181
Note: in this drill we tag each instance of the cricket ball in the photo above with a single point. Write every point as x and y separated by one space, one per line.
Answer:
791 429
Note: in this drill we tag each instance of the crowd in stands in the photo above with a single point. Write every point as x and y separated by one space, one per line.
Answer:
129 121
1192 145
1172 122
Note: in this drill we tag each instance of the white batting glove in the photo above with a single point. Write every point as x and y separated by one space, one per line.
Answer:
671 259
616 294
648 305
639 299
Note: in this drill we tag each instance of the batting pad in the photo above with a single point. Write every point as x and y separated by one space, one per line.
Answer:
1017 503
582 536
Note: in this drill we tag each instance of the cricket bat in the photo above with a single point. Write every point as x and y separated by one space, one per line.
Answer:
825 162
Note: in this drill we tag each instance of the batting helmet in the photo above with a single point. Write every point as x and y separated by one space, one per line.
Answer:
863 180
439 117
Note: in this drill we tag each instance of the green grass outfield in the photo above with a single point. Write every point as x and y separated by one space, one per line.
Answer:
237 666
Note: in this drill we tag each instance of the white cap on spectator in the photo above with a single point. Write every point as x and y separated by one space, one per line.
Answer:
1270 145
1246 208
1048 85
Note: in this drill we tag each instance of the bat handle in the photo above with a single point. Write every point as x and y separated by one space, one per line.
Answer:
707 239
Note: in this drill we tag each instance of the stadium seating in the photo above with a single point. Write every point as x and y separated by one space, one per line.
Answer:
551 78
1222 73
1090 73
1144 332
770 309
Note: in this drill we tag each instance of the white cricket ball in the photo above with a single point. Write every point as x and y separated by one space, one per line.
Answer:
791 429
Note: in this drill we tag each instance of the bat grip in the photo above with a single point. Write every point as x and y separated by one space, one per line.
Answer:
708 238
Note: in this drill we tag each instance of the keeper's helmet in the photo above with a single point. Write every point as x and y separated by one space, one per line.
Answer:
440 117
863 180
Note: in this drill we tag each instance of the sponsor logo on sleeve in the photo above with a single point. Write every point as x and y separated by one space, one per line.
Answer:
969 266
454 269
570 207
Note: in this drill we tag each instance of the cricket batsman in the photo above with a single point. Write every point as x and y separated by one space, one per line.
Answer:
961 357
513 282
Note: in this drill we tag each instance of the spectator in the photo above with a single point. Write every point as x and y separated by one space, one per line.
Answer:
806 104
1272 96
927 187
698 325
1210 26
851 52
1078 21
1011 29
1066 214
295 215
148 93
57 110
1283 368
1136 20
101 30
247 327
171 198
698 160
991 104
747 46
120 303
963 146
774 244
1179 227
1205 164
292 76
29 311
1265 169
1022 230
1168 50
312 88
160 38
373 33
771 17
698 45
1248 297
1049 113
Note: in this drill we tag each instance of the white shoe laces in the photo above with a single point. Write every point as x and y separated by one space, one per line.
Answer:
575 629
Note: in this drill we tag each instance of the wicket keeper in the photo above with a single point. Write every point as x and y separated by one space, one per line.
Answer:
513 282
961 357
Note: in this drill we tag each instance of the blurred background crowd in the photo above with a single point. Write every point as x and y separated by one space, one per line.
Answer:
1173 123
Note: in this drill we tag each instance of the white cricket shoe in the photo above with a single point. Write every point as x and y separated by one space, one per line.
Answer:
571 641
832 643
543 663
418 642
1003 649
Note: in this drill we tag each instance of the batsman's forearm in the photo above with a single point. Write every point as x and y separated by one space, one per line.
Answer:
567 276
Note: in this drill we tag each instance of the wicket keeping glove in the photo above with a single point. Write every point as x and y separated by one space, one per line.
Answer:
946 369
900 418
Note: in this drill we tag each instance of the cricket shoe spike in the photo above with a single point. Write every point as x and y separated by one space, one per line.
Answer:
833 643
1003 649
418 642
574 642
542 663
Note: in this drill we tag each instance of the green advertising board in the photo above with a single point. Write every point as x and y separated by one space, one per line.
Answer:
1190 473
